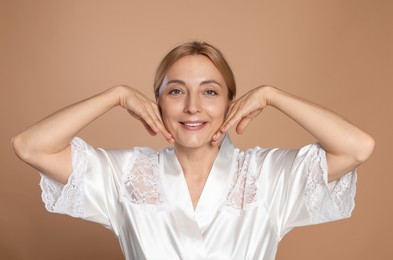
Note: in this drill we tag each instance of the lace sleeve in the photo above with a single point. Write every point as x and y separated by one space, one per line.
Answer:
327 201
68 198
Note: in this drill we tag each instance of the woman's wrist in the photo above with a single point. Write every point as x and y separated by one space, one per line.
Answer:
268 94
119 93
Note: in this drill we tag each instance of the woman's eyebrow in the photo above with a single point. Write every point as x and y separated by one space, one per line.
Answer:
181 82
206 82
176 81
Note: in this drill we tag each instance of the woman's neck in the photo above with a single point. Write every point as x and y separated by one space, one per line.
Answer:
197 162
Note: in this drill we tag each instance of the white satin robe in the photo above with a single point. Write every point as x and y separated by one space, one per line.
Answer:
250 200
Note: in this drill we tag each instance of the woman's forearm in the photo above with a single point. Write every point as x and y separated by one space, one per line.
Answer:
345 144
45 145
53 133
336 135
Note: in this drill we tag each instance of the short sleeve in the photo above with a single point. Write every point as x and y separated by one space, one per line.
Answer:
296 192
327 201
67 199
91 192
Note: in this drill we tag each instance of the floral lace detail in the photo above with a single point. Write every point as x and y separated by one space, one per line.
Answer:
67 199
142 183
243 190
327 201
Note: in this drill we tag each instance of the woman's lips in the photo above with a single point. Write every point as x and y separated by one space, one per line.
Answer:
193 125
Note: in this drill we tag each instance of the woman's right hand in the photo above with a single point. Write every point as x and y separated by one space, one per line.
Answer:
145 110
45 144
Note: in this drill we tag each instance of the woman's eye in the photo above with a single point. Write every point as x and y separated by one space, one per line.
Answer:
211 92
175 92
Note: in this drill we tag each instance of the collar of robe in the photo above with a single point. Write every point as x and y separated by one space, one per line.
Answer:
193 223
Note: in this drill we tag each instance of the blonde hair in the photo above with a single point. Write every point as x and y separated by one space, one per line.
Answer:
196 48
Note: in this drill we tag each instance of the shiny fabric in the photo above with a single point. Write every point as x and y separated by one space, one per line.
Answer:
250 200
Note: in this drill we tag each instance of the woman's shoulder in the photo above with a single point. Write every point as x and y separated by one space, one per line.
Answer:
277 156
113 154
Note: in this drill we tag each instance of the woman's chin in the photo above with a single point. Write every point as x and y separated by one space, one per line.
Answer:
192 144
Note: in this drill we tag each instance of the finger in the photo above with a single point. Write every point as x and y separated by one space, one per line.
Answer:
155 123
217 140
158 128
242 125
148 128
146 111
216 137
165 133
159 123
224 126
233 118
146 125
230 112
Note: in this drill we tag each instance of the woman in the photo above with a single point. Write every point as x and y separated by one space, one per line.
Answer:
201 198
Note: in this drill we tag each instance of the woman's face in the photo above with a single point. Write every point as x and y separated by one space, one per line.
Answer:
193 100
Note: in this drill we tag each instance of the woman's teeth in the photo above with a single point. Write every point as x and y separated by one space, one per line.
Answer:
193 124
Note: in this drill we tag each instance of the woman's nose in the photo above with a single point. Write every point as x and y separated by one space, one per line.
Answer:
192 104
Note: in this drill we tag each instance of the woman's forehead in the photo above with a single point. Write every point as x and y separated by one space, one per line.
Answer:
194 66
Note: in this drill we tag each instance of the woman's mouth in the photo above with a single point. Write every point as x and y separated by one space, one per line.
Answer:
193 125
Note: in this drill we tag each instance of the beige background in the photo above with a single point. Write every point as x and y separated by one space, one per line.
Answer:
336 53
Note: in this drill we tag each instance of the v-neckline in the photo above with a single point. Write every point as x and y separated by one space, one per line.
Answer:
214 191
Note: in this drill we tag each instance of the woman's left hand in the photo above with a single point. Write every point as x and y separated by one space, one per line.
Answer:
244 109
346 145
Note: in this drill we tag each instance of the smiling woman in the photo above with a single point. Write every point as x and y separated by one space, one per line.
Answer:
193 102
201 198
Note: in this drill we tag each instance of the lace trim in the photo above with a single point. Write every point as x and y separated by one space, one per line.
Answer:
142 184
67 199
327 201
243 190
